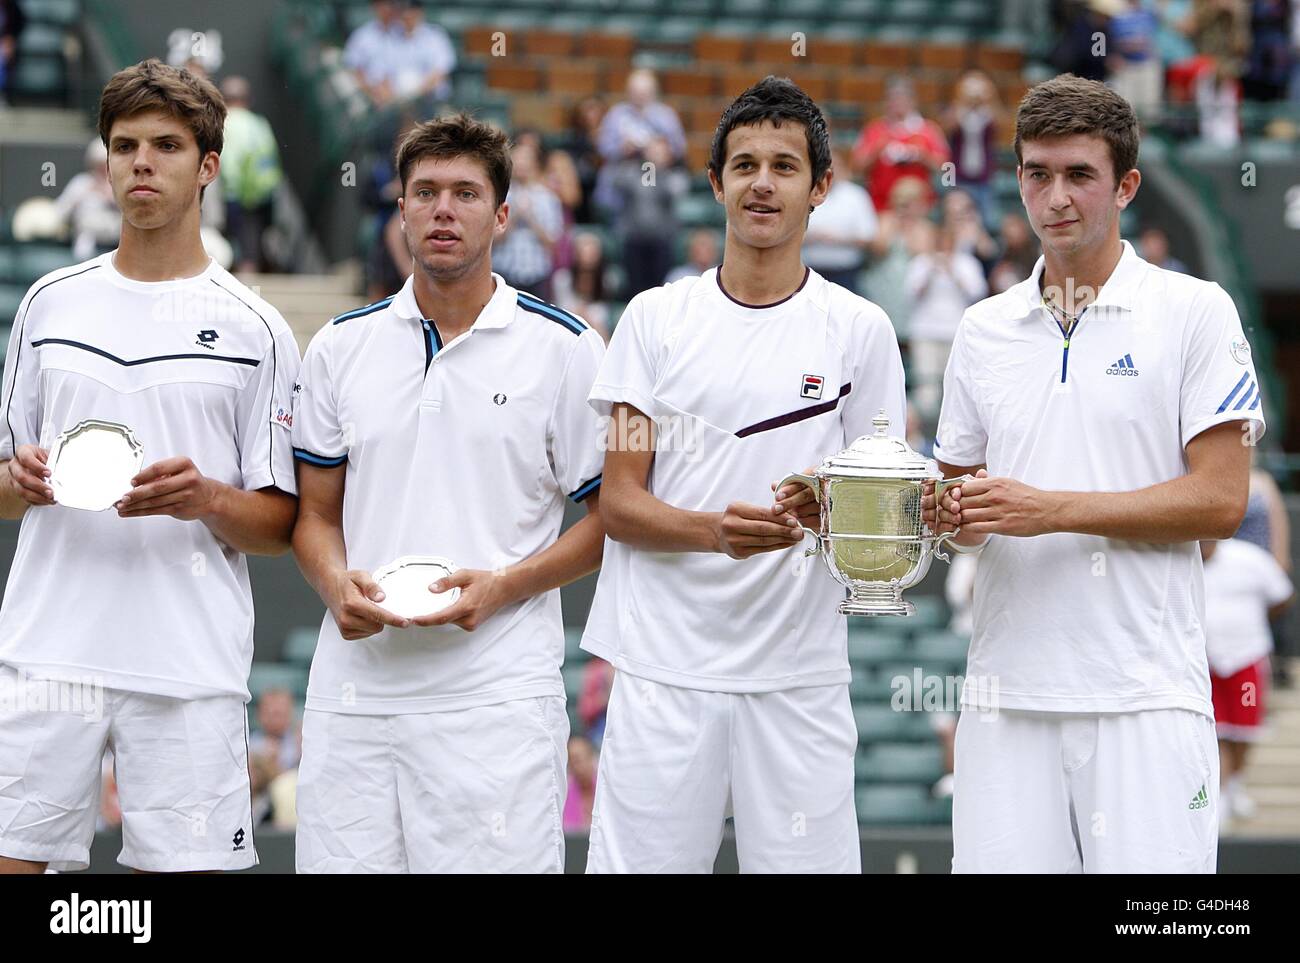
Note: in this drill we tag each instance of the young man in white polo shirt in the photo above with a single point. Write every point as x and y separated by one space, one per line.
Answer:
732 690
1108 406
450 420
147 607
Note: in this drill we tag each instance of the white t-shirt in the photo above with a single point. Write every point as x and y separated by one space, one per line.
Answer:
1080 623
940 296
1242 582
199 367
847 211
742 396
465 450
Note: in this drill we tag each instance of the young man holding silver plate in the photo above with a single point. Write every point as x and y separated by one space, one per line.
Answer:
140 620
732 690
438 434
1108 407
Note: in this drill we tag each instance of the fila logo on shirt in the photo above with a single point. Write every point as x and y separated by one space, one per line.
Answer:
206 337
812 386
1124 366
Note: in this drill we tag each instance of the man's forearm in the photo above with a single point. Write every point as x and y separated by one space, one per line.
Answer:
575 553
646 522
1181 510
255 523
320 552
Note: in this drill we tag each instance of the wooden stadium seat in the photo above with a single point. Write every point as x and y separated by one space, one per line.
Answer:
889 56
697 81
999 58
549 43
702 118
930 94
860 88
832 52
736 80
815 83
697 152
778 51
616 79
721 48
505 73
941 56
612 46
478 40
542 112
575 78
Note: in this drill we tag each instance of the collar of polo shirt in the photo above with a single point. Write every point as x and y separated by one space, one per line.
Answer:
1119 290
497 313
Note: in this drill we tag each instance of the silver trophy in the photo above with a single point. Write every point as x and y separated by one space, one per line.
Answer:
92 464
872 535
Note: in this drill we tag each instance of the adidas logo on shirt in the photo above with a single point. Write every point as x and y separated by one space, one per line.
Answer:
1124 366
1200 800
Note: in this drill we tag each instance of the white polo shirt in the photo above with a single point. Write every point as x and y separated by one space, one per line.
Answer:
1242 582
199 367
466 450
742 396
1080 623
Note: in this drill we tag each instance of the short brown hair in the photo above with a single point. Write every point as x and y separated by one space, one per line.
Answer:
458 136
1068 105
152 85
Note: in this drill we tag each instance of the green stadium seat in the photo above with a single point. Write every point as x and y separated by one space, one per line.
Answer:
931 612
573 672
63 12
300 645
867 648
41 39
40 76
947 649
889 762
868 686
277 675
881 723
700 210
900 806
33 261
572 648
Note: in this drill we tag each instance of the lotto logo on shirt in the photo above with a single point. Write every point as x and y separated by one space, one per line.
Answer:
812 386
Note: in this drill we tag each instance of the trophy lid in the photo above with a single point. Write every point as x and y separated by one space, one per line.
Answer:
880 455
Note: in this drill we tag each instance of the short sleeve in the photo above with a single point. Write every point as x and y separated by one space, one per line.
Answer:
1274 583
264 418
574 434
318 437
629 370
877 371
962 438
1219 381
21 392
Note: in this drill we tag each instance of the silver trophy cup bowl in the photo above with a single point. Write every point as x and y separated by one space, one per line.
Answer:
872 535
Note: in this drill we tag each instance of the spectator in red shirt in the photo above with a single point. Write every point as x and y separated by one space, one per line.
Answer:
900 144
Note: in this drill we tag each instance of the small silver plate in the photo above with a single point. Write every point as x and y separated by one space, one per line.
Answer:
92 464
406 585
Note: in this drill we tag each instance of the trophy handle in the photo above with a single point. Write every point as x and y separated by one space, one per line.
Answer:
939 485
810 482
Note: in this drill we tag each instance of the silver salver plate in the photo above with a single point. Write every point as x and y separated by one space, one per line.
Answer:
406 585
92 464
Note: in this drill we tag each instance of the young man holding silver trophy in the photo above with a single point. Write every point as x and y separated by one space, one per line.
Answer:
1108 407
151 352
732 690
450 419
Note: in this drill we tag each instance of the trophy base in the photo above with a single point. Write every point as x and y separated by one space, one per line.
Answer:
876 600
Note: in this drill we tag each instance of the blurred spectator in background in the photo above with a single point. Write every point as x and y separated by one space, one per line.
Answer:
1221 31
388 259
1244 588
630 126
1153 245
961 217
835 245
892 249
971 126
12 22
1136 72
1077 51
1268 71
942 281
87 206
1019 253
593 701
399 56
561 176
580 144
273 747
702 253
524 254
582 287
900 144
582 784
646 219
250 175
